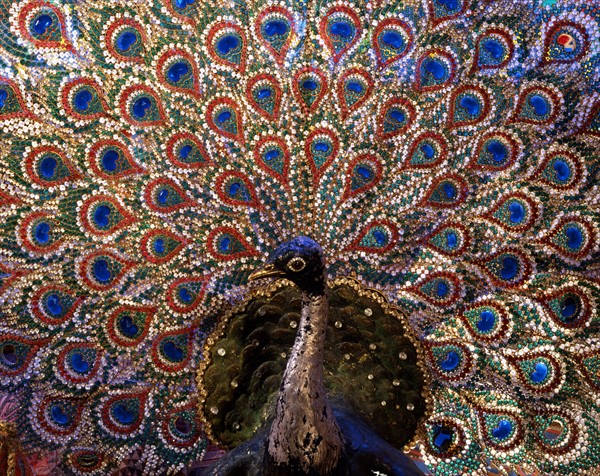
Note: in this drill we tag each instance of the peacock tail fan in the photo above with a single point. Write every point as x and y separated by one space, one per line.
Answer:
444 153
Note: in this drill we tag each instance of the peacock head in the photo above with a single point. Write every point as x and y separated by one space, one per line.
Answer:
299 260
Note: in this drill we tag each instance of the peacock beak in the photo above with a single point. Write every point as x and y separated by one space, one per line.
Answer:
266 271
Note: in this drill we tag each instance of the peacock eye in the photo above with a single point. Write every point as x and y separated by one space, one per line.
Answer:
296 264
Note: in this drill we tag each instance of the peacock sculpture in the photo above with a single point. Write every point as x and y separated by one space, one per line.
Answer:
314 233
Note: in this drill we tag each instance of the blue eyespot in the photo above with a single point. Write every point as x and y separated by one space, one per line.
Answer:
227 43
272 154
42 23
109 160
82 99
42 232
275 27
102 216
54 305
126 40
503 430
177 70
140 106
159 245
78 363
102 271
59 415
451 361
223 117
341 28
163 196
123 414
510 268
486 322
393 39
517 212
355 87
264 93
540 372
48 167
562 170
451 240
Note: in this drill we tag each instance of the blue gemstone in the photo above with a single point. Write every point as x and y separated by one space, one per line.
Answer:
48 167
503 430
163 195
539 105
128 327
272 154
442 438
159 245
234 188
393 39
42 23
123 415
321 146
510 267
225 243
494 48
82 99
427 150
449 4
227 43
355 87
562 170
341 28
498 150
569 307
451 361
435 68
177 70
263 93
59 415
451 239
109 160
184 152
574 237
78 363
517 212
42 232
173 352
397 116
276 27
3 96
102 271
182 425
181 4
310 85
540 372
364 172
126 40
470 104
185 295
449 190
487 321
380 237
224 117
54 305
102 216
9 354
441 289
140 106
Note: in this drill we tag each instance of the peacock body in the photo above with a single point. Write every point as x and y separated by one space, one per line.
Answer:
443 153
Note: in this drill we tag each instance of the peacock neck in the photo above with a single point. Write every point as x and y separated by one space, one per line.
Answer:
304 433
